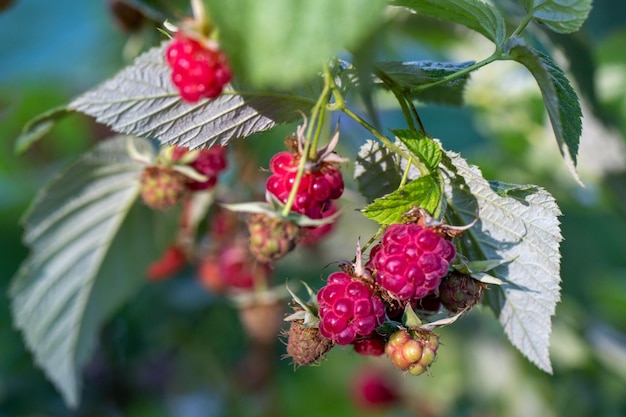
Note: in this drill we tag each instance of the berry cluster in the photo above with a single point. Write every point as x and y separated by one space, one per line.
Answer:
199 69
209 162
348 307
410 261
412 351
319 185
165 183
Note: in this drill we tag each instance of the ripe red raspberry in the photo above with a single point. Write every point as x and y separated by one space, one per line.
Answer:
305 345
319 185
208 162
348 308
198 69
410 261
372 345
170 263
162 187
313 235
460 292
413 352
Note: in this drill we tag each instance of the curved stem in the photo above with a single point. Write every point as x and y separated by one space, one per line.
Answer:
496 55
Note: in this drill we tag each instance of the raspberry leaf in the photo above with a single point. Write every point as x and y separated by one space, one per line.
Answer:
426 150
520 227
284 42
90 247
38 127
425 191
141 100
376 171
412 76
559 98
561 16
474 14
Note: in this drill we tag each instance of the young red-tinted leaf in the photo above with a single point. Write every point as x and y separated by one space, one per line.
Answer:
521 229
90 244
376 171
412 76
281 43
559 98
427 151
562 16
474 14
424 191
141 100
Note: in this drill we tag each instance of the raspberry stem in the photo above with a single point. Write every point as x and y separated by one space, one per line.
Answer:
318 114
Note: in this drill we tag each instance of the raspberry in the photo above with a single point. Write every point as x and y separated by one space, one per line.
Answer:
162 187
413 352
410 261
171 262
233 268
373 389
271 238
372 345
460 292
305 345
313 235
319 185
127 17
348 308
198 69
208 162
262 320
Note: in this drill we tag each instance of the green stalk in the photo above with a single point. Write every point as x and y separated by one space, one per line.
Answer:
318 112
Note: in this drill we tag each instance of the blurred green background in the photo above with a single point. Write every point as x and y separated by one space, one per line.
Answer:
176 351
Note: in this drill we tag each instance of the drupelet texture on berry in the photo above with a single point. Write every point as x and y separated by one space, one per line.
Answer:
410 261
348 308
198 69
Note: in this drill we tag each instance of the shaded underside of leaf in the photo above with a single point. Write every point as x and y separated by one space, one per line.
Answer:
281 43
89 246
412 75
559 97
520 225
562 16
142 101
376 171
474 14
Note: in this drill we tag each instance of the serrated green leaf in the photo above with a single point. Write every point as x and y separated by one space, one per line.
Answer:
428 151
376 171
141 100
562 16
90 245
559 98
38 127
424 191
411 76
281 43
474 14
523 230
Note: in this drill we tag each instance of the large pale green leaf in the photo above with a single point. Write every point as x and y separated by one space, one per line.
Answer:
414 76
559 98
90 243
141 100
519 226
562 16
474 14
281 43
